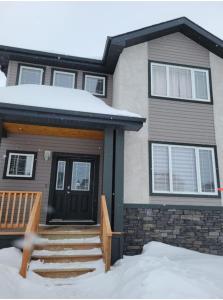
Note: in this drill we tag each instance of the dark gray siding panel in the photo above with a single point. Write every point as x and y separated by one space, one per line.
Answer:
43 168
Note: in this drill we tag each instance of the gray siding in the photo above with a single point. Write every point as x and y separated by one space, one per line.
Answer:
175 121
12 76
43 168
178 121
177 48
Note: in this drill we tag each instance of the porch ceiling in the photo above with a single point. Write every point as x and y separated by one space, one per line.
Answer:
53 131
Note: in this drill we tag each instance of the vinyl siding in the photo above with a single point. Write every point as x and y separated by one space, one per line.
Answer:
43 168
178 121
12 78
179 49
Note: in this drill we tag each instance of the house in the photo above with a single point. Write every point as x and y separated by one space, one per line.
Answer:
143 126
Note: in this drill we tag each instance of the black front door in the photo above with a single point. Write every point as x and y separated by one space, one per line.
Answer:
74 190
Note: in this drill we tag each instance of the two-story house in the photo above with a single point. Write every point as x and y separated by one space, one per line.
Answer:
143 126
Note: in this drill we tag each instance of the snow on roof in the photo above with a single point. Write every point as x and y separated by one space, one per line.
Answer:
58 98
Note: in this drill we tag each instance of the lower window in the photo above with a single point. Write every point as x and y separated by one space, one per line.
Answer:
178 169
20 165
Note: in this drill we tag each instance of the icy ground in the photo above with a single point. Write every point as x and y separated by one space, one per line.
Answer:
162 271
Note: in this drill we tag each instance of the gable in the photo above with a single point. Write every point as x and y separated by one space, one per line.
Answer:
178 48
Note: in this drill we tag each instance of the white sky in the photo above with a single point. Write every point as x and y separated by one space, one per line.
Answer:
81 28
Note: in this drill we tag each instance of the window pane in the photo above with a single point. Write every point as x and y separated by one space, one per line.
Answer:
64 79
206 170
20 165
180 83
201 85
94 85
184 169
60 175
80 176
161 168
159 81
30 76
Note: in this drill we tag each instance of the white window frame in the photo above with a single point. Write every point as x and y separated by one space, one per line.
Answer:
73 177
20 154
193 70
197 165
64 72
64 172
98 77
30 68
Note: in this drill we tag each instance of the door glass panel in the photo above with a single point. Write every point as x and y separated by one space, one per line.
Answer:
60 175
80 180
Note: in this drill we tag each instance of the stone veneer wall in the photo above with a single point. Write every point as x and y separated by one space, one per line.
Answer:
196 228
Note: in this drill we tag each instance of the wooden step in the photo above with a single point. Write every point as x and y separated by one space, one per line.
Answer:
62 273
68 234
65 246
66 258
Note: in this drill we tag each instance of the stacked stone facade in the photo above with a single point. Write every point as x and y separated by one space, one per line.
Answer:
196 228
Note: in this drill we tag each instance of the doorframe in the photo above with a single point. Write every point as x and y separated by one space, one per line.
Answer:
55 156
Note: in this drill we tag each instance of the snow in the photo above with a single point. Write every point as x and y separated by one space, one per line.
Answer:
161 271
59 98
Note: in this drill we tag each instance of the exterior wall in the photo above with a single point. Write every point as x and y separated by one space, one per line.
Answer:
43 168
130 92
12 78
217 84
167 120
196 228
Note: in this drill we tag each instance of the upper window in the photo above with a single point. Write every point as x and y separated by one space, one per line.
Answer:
30 75
64 79
20 165
183 170
179 82
95 84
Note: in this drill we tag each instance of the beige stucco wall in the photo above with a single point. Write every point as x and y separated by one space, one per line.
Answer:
170 121
217 86
130 92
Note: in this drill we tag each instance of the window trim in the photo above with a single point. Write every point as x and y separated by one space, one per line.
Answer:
35 67
94 75
193 68
7 160
213 148
64 71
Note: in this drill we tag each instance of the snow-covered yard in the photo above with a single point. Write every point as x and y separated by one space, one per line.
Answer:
162 271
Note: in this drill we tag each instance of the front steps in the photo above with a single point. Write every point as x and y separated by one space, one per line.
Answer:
66 251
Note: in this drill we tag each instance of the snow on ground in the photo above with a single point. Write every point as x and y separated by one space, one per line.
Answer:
58 98
162 271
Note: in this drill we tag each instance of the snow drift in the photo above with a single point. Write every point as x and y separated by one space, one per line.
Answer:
162 271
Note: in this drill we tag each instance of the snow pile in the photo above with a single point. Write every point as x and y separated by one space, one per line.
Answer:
58 98
162 271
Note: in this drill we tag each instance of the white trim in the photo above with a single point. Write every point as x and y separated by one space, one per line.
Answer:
20 154
98 77
73 175
66 73
30 68
64 169
197 148
193 70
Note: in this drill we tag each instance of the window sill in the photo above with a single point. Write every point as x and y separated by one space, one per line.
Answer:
186 195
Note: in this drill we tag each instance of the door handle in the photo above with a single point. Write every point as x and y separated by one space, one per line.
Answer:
68 192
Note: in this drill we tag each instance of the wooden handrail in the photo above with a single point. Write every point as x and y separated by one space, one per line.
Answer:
31 230
105 234
15 208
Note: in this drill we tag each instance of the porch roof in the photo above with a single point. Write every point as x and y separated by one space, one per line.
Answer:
56 106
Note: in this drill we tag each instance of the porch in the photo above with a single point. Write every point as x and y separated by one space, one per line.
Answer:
54 135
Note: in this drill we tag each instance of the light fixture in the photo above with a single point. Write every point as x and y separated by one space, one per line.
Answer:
47 155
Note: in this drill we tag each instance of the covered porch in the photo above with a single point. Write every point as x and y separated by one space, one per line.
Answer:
96 140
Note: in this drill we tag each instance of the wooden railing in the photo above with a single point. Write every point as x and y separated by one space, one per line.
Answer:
105 234
31 230
15 208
